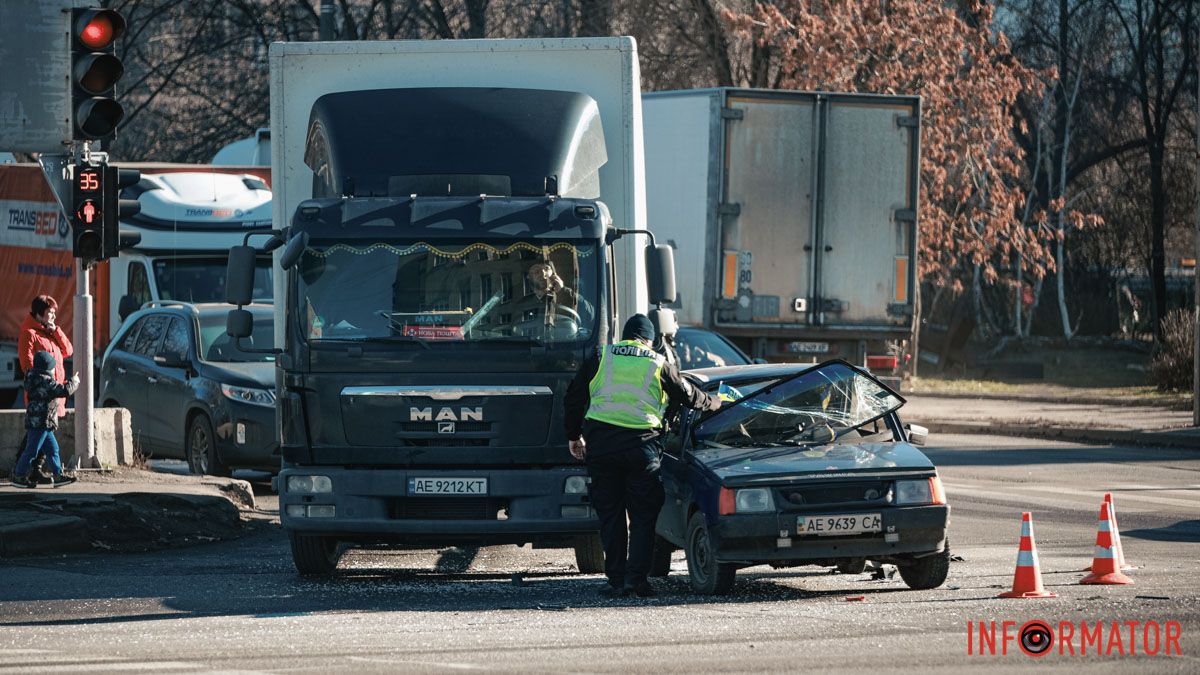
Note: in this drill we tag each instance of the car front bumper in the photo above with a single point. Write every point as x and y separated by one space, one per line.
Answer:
908 531
256 446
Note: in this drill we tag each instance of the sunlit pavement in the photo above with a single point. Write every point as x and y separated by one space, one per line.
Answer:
239 605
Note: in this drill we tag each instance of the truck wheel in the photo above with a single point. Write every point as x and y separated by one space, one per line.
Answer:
707 576
660 564
925 573
589 555
202 457
315 555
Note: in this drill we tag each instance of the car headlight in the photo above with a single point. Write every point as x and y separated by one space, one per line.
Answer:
309 484
923 491
263 397
753 500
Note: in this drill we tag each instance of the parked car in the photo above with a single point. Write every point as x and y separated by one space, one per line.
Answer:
191 392
805 465
702 348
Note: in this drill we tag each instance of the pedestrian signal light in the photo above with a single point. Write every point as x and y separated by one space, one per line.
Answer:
95 70
87 223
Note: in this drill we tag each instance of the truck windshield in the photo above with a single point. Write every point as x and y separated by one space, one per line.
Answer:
199 280
541 291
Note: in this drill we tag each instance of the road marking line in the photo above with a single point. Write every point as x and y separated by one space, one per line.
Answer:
115 666
436 664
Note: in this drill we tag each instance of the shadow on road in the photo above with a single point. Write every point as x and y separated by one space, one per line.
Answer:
1183 531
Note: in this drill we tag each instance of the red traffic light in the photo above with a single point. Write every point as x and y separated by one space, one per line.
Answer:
98 28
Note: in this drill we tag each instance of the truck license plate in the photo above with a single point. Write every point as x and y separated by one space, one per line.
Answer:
839 525
808 347
447 486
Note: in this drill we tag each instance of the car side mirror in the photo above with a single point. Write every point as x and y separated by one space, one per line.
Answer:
126 306
239 275
171 360
660 273
760 361
917 434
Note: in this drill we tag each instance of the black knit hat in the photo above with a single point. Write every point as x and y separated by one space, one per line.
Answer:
638 326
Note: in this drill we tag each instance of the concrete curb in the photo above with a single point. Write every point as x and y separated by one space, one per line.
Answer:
44 534
1188 439
1082 400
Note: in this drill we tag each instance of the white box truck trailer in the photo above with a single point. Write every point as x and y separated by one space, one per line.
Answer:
796 215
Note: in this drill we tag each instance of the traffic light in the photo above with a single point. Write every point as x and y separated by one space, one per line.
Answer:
117 209
87 219
95 70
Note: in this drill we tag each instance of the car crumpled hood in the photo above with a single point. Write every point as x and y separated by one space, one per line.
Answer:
260 375
836 457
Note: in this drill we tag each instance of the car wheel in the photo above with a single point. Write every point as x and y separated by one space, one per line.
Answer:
315 555
706 574
201 445
925 573
660 563
852 566
589 555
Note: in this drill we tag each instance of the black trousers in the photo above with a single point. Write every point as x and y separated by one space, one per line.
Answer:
626 483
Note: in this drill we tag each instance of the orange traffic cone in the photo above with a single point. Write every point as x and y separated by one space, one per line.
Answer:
1105 567
1112 512
1027 580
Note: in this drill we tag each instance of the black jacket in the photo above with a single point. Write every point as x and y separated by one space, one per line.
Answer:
43 393
600 435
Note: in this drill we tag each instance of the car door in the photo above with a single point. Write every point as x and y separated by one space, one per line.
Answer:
142 376
672 517
171 392
115 379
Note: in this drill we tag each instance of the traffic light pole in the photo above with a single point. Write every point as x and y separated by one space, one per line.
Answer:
85 436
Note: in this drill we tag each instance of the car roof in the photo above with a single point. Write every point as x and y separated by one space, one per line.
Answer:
760 371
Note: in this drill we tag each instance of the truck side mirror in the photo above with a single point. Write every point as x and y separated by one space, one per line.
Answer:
239 275
660 273
294 249
239 323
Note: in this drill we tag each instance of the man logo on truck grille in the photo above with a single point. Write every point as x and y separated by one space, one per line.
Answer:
445 427
464 414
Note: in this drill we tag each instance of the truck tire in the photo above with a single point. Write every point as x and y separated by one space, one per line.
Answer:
660 563
589 555
201 449
925 573
315 555
706 575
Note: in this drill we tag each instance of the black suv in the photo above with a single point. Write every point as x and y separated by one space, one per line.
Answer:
191 392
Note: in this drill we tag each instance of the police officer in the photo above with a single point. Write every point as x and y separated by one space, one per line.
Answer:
614 418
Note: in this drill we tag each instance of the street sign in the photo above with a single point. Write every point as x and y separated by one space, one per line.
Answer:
35 89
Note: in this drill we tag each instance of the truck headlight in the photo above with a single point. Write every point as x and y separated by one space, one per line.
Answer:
309 484
923 491
263 397
753 500
575 485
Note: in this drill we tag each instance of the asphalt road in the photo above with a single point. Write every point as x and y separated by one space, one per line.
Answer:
238 606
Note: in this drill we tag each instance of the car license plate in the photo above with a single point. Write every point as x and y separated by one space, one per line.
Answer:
839 525
808 347
447 486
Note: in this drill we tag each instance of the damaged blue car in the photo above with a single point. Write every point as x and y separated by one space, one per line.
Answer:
804 465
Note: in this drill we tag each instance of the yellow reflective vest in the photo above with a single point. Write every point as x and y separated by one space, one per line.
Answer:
627 389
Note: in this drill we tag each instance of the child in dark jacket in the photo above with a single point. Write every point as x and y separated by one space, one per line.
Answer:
41 419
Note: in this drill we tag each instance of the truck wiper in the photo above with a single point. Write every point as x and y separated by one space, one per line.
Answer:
389 338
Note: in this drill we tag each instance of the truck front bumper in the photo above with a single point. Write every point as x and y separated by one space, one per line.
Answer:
375 506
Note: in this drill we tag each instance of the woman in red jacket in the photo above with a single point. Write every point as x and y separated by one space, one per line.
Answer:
39 333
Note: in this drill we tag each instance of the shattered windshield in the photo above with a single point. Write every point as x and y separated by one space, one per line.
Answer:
539 291
817 406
